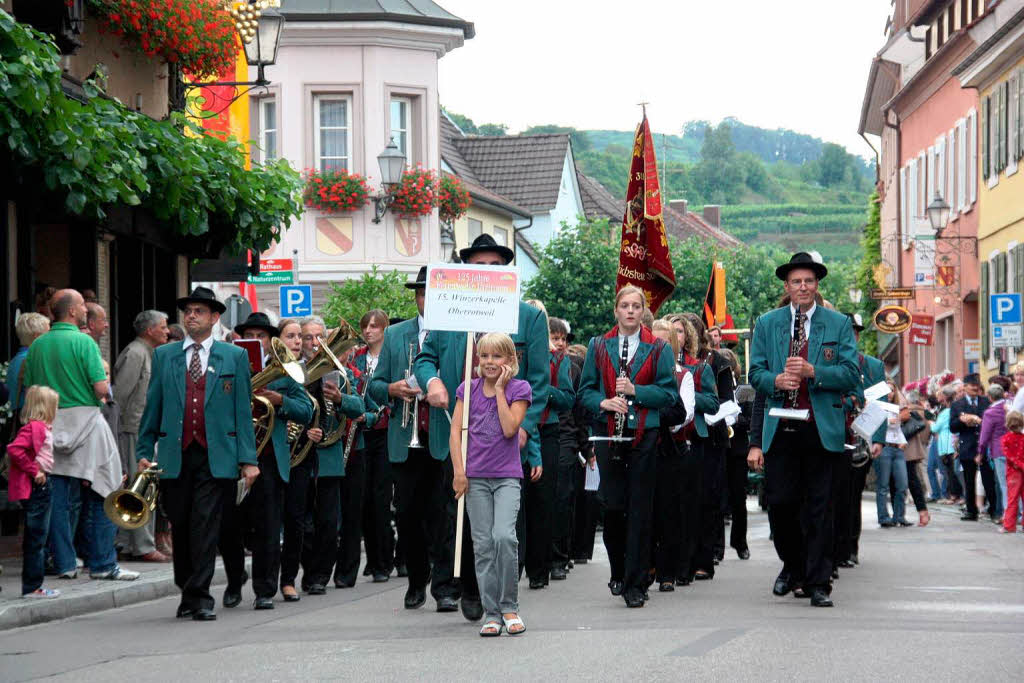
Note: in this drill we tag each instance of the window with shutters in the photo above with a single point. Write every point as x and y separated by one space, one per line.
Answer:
951 173
986 107
983 309
972 157
1002 127
1018 268
1000 262
961 164
940 167
929 176
1020 114
904 203
1013 114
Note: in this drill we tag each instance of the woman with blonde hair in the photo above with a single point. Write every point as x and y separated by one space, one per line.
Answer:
627 379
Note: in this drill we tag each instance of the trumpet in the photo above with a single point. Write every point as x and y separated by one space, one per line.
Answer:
132 508
411 408
282 364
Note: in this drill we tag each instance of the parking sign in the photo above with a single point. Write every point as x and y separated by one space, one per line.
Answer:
296 300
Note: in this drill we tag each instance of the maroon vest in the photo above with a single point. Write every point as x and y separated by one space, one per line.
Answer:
195 414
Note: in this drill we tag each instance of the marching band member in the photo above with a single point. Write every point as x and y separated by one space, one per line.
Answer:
564 379
264 505
804 360
628 373
440 367
198 409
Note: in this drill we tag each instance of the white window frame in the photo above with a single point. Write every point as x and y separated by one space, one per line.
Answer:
409 143
972 158
961 165
332 97
954 207
940 167
264 128
920 188
469 228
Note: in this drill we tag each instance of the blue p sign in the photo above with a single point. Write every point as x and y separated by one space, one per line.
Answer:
1005 309
296 300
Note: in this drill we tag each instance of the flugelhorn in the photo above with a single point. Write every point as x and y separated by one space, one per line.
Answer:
131 508
282 364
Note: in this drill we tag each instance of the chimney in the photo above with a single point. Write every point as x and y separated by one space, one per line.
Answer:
678 205
713 215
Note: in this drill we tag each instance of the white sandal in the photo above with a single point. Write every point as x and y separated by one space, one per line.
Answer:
486 632
509 623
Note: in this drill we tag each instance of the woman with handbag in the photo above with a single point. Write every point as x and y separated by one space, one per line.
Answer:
915 430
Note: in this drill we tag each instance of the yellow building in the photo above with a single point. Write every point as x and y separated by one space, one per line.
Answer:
996 70
492 214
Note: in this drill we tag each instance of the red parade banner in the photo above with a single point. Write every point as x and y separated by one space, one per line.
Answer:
644 259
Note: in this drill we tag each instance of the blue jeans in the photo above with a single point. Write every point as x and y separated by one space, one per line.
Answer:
493 506
999 465
33 543
938 488
70 499
890 463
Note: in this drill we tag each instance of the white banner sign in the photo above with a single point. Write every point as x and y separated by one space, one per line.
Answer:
924 262
472 298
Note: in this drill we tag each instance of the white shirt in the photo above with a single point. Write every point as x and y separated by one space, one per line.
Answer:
634 341
688 395
423 329
204 351
807 320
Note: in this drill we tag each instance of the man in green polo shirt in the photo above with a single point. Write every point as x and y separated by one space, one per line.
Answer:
85 451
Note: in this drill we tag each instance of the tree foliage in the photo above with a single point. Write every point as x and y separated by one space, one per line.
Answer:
871 256
350 299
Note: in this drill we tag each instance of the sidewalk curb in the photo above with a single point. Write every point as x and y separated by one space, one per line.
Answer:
28 612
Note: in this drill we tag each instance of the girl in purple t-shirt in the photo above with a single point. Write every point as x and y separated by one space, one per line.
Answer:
497 406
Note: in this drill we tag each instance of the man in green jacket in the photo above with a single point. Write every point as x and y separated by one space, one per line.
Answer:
439 369
198 412
804 359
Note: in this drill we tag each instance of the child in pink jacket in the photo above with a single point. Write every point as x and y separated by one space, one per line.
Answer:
31 456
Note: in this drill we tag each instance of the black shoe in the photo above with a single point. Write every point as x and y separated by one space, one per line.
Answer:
820 599
615 587
184 612
887 525
743 554
801 592
316 589
558 574
647 596
835 573
580 560
415 597
845 563
342 583
290 598
570 564
702 575
263 603
232 597
204 615
401 570
472 608
717 561
686 581
380 577
854 559
719 556
666 587
905 523
536 583
367 570
783 584
633 598
969 517
447 604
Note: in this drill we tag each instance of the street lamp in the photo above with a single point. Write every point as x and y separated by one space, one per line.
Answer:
855 295
938 214
448 243
259 27
392 163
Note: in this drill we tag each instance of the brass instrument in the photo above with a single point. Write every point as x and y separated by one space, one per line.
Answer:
282 363
131 508
620 418
354 426
299 444
338 343
411 408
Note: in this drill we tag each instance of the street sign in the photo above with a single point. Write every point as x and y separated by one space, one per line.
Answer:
922 328
276 271
296 300
894 293
1006 336
1005 309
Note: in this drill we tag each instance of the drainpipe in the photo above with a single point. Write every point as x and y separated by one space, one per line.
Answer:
515 232
878 162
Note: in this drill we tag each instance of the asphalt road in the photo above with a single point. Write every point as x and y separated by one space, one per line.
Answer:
942 603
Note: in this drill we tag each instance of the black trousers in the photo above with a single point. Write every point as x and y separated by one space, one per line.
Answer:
916 486
298 500
736 484
953 483
668 508
563 516
194 503
353 488
988 482
712 481
266 508
585 513
689 495
426 521
842 506
326 524
537 508
798 476
378 536
628 478
858 478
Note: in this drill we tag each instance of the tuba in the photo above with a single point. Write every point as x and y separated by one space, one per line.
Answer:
282 364
298 443
131 508
326 359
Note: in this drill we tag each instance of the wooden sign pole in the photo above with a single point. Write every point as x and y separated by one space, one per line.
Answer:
468 379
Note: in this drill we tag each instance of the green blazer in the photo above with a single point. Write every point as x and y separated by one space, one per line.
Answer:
369 405
658 394
391 367
444 355
831 349
705 397
295 407
332 458
562 397
229 434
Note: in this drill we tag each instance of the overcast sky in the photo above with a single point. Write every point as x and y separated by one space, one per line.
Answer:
797 64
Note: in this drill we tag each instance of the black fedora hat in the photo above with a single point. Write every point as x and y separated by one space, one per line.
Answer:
259 321
802 259
420 281
486 243
202 295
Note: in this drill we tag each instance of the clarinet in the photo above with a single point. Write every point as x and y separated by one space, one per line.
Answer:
620 418
796 345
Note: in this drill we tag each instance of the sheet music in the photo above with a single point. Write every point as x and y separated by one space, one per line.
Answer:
870 419
801 414
876 392
593 480
725 411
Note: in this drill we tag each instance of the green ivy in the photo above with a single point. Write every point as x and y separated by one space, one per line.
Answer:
871 256
98 153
